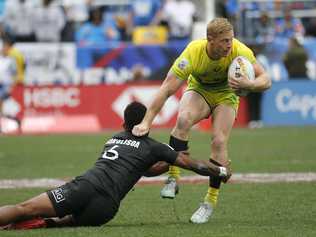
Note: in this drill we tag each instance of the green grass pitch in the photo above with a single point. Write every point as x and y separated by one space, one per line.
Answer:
267 210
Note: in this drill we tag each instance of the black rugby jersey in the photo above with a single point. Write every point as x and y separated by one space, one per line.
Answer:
124 160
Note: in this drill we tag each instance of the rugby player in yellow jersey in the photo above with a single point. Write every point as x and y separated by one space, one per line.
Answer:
203 65
9 50
16 71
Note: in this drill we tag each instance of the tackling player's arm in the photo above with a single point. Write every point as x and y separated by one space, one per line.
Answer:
201 167
159 168
169 86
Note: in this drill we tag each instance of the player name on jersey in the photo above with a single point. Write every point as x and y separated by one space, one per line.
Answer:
127 142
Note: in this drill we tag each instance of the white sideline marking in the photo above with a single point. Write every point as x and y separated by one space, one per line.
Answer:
236 178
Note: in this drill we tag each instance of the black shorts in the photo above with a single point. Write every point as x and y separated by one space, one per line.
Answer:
79 199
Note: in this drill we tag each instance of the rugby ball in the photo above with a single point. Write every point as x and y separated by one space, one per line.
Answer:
241 66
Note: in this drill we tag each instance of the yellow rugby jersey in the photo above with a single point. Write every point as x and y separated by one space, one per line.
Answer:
194 64
20 64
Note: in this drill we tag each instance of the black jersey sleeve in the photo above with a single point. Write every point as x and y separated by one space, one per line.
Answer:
164 152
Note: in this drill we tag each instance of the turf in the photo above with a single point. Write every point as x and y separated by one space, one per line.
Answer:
267 210
259 150
244 210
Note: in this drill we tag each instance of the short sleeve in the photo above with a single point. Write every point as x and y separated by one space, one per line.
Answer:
164 152
182 67
243 50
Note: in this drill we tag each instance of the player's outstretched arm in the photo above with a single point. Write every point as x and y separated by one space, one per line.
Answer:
202 167
170 85
159 168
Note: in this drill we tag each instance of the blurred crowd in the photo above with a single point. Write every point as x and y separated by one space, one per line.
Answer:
277 30
261 21
99 21
92 21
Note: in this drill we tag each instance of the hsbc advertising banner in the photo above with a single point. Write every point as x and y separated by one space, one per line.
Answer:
290 103
53 109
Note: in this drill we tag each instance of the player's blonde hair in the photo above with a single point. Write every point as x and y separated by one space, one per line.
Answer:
218 26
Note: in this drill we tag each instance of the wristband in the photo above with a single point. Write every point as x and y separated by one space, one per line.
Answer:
222 171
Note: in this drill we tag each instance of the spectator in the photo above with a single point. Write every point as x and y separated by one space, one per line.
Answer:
220 9
289 26
263 29
232 11
311 27
144 13
117 17
121 23
48 22
295 60
17 20
96 31
179 15
77 12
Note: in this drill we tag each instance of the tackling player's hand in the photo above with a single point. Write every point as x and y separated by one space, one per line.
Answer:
225 173
140 129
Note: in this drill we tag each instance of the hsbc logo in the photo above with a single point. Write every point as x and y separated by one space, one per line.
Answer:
145 95
52 97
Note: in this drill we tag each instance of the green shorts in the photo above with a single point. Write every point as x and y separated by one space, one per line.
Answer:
215 96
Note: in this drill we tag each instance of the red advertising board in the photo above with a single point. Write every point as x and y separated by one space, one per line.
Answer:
52 109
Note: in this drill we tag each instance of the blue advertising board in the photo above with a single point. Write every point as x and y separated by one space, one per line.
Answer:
121 62
154 61
290 103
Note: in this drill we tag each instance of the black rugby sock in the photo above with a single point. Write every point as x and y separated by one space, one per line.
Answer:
177 144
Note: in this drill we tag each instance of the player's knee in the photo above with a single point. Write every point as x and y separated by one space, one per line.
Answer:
184 121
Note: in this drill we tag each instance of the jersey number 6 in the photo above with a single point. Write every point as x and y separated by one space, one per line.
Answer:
111 154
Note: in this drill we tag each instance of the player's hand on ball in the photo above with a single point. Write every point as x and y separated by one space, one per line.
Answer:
140 130
241 83
241 76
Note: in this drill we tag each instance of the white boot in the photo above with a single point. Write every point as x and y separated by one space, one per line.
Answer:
170 189
202 214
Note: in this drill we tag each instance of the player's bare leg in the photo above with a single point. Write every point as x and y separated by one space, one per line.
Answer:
39 206
192 109
66 221
223 120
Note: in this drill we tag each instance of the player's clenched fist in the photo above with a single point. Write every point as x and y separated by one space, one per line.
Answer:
140 130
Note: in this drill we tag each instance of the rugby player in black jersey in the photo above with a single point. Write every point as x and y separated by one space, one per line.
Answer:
93 198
